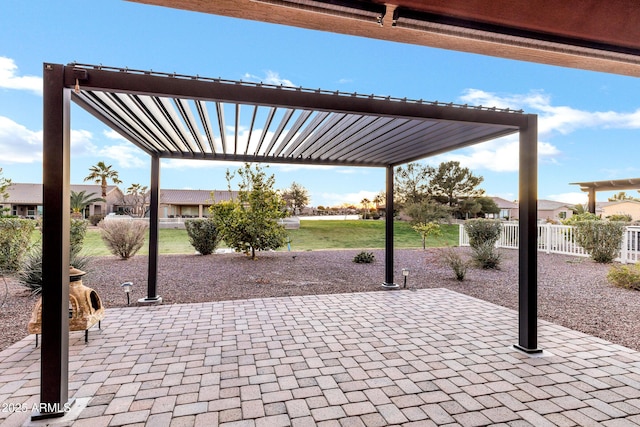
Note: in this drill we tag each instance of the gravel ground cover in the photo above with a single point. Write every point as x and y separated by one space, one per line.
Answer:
573 292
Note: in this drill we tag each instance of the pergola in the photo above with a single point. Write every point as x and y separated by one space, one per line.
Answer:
591 187
183 117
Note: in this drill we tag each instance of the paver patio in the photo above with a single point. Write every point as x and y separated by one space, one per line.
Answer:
423 358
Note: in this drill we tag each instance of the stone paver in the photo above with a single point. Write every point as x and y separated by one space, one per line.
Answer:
424 358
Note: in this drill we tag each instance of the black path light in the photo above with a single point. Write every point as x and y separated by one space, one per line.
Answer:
405 274
127 287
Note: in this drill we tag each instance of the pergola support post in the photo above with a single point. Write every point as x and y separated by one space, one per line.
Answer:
388 237
154 206
591 202
528 237
54 351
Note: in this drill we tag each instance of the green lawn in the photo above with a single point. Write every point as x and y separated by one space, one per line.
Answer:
312 235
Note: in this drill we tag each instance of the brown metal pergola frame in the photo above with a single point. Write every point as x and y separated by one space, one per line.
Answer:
152 110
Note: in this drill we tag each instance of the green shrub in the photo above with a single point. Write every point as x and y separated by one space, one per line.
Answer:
453 259
601 239
15 241
486 256
123 238
364 258
30 274
203 235
78 231
625 276
620 217
482 231
483 235
585 216
95 219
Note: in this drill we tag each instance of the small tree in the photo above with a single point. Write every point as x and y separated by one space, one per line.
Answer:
123 238
137 198
365 208
426 211
483 235
296 197
411 183
203 235
601 239
426 230
250 223
80 201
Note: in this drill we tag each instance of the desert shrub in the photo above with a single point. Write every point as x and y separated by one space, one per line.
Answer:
620 217
203 235
95 219
625 276
601 239
364 258
30 274
483 235
453 259
123 238
481 231
486 256
15 241
78 231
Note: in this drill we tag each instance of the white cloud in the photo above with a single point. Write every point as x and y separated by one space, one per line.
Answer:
19 144
125 154
112 134
573 198
82 143
10 80
270 77
551 118
500 155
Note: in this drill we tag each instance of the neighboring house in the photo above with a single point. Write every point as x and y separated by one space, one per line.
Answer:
619 207
549 210
508 210
190 203
25 200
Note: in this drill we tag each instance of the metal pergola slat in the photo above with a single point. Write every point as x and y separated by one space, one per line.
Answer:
344 129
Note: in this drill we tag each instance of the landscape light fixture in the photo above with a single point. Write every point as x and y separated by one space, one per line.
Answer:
127 286
405 274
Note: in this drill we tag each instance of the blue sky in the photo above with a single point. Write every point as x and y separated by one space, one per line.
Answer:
589 122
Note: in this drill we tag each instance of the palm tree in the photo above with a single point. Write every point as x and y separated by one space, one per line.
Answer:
79 201
365 207
100 173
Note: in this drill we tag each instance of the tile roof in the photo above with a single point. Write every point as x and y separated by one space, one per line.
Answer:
194 197
503 203
550 205
21 193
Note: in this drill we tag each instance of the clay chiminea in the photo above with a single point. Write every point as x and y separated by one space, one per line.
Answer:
85 307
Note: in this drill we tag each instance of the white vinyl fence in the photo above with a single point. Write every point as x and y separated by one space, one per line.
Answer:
559 239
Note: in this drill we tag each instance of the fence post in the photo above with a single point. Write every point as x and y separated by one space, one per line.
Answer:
548 237
625 246
460 234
